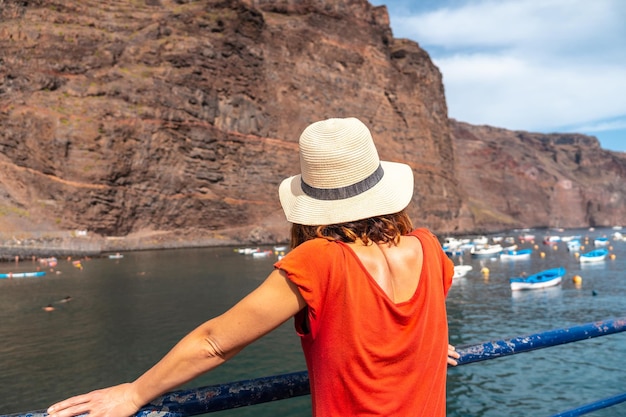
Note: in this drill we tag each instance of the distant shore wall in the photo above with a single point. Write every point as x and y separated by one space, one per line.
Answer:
27 245
46 244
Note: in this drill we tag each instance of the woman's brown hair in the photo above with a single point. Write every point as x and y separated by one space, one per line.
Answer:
380 229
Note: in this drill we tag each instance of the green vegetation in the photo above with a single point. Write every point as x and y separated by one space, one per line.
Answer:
11 210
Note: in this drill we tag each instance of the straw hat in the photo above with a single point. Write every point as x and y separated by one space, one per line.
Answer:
342 178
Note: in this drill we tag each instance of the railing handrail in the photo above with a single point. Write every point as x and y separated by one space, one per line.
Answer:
209 399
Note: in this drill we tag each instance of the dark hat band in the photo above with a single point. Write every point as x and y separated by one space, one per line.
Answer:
344 192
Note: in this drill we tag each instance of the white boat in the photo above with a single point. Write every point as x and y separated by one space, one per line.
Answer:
573 245
482 240
551 239
461 270
596 255
247 251
486 251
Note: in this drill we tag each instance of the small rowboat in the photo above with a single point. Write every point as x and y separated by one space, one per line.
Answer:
486 251
262 254
601 241
573 245
23 274
516 254
461 270
543 279
596 255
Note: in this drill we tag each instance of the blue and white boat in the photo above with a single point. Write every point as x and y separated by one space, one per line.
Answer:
543 279
10 275
596 255
513 254
601 241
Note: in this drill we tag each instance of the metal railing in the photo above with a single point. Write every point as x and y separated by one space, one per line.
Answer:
215 398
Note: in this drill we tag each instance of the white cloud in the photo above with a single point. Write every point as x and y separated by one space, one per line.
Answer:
602 126
507 91
524 64
515 24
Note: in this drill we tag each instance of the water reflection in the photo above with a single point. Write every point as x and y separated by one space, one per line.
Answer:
537 295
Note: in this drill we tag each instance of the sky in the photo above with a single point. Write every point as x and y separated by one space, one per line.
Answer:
541 66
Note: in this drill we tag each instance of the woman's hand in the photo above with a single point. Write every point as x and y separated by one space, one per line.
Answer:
116 401
453 355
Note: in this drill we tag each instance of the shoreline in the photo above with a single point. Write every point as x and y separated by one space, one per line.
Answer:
28 244
61 244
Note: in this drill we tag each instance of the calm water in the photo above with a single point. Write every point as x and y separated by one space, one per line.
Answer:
125 314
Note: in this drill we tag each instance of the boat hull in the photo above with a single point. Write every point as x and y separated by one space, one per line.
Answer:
516 286
543 279
461 270
11 275
516 255
486 252
597 255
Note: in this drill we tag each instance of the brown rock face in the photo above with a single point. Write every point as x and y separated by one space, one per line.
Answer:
522 179
180 118
171 115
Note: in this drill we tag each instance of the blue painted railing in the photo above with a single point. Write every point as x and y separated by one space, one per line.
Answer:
215 398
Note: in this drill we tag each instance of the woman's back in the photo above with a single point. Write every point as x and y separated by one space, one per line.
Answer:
395 268
374 331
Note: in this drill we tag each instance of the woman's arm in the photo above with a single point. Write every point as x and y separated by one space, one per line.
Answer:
206 347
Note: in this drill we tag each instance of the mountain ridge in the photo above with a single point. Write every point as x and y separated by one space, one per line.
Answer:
170 123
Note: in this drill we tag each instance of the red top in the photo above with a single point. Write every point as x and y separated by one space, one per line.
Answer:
366 355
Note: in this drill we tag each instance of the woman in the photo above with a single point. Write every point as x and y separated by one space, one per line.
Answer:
367 292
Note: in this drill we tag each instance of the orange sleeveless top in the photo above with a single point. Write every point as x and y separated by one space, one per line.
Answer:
366 355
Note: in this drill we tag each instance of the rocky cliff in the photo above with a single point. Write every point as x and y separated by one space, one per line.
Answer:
175 120
522 179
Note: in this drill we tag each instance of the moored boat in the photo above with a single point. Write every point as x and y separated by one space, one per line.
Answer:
601 241
461 270
35 274
262 254
596 255
516 254
247 251
486 251
543 279
573 245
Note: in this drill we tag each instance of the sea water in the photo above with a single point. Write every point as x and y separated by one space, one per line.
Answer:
125 314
